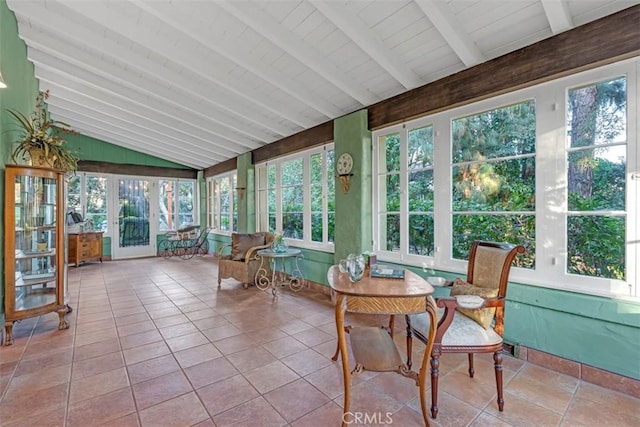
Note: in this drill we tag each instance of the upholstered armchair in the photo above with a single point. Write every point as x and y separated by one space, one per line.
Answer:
239 260
465 325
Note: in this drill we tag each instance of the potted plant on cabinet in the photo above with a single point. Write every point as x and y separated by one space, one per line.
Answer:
39 139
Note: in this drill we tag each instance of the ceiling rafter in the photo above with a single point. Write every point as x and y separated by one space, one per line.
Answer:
98 12
299 49
58 71
557 15
127 138
79 56
369 42
122 137
446 23
136 121
142 114
246 61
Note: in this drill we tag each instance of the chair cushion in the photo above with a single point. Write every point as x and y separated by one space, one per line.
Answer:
462 332
484 316
242 242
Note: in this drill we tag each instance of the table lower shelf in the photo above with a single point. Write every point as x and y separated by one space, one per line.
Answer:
374 349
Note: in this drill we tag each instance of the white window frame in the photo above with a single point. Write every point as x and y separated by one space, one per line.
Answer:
262 213
82 176
213 202
551 192
196 199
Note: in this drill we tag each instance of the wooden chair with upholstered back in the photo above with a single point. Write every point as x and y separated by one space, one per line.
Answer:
477 330
242 262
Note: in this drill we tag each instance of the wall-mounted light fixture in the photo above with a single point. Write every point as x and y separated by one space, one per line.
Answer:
343 167
241 191
2 83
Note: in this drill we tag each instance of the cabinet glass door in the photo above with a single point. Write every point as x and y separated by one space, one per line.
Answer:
35 242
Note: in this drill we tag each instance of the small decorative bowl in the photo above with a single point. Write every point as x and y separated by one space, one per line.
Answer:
436 281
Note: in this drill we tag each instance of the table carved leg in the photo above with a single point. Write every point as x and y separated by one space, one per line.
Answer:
342 349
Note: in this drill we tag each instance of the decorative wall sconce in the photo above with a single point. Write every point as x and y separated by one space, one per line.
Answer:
343 167
2 83
241 191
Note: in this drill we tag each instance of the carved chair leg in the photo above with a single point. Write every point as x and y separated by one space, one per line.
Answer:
471 370
497 360
409 342
435 371
219 281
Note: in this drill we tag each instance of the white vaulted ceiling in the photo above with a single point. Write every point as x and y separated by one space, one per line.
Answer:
200 82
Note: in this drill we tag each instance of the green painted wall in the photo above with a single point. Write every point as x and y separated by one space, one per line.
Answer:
245 176
94 149
353 232
20 94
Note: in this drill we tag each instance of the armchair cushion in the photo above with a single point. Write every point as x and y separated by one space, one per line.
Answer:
483 316
462 332
241 243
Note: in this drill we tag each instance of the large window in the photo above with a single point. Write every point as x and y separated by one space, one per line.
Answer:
177 204
553 167
493 179
296 196
87 195
406 222
222 203
597 168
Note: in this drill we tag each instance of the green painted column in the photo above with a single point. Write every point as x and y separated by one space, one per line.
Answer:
245 185
353 229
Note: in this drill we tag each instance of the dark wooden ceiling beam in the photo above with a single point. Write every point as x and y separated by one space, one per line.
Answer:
610 39
308 138
138 170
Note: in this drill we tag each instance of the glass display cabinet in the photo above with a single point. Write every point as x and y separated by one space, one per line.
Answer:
34 245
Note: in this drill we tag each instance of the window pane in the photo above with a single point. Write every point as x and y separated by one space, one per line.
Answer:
392 185
167 219
597 181
316 227
225 204
185 204
503 132
97 202
597 168
292 199
316 168
73 194
391 149
420 153
316 198
597 246
292 225
421 235
495 186
421 191
292 172
331 224
517 229
390 232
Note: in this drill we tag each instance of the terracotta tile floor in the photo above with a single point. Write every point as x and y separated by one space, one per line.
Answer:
153 342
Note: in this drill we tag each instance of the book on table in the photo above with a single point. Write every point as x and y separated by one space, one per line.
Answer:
387 272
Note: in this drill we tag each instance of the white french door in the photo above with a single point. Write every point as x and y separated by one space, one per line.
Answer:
135 225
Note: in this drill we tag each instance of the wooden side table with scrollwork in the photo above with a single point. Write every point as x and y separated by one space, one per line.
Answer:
373 347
